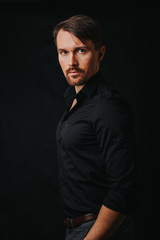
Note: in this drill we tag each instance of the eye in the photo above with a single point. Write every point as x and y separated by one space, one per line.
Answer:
81 50
63 52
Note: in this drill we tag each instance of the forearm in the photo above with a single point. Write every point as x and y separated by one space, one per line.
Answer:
106 224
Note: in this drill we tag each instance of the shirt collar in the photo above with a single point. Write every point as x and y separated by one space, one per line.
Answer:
91 86
88 90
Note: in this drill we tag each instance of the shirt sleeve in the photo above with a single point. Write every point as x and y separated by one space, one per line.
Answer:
114 132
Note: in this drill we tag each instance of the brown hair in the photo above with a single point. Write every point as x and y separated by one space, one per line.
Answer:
83 27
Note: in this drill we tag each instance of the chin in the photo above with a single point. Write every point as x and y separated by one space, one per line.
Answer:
76 82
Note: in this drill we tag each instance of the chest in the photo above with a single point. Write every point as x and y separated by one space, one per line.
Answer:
75 129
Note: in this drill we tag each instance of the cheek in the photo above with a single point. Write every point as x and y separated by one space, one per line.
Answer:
89 63
86 62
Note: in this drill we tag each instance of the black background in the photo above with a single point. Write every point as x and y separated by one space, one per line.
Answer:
31 103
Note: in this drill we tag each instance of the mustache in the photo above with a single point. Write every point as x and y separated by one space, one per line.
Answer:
76 69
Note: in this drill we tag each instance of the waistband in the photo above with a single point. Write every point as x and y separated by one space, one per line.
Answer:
75 222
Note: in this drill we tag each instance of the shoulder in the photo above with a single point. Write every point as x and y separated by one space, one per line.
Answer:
109 105
107 97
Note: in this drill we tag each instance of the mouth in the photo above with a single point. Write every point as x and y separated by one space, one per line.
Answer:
73 73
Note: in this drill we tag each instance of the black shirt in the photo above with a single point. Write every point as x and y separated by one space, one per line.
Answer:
95 151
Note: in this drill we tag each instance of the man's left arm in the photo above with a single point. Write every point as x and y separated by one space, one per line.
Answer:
113 128
108 221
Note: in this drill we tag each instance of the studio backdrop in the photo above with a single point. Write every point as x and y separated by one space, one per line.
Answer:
31 104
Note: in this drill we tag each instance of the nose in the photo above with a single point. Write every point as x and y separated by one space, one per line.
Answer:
72 60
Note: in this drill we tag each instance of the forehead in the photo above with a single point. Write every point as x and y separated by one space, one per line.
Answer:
66 40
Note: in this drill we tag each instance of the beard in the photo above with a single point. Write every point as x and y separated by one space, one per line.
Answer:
75 80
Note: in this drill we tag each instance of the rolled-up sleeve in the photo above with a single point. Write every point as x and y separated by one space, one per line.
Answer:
113 126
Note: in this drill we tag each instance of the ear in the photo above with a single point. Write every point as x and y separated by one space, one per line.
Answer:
102 51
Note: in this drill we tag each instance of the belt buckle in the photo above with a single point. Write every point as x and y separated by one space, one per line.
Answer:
72 223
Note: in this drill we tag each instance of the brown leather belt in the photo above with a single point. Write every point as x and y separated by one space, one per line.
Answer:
73 223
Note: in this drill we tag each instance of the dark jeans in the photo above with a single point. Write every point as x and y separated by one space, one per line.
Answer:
125 231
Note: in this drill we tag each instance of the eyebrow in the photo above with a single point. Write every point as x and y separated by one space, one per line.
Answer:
75 49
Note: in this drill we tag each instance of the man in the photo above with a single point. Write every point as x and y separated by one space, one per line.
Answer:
94 140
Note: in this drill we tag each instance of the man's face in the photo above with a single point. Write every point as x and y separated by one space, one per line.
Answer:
79 61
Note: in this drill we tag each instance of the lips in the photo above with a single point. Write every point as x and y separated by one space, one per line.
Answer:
73 73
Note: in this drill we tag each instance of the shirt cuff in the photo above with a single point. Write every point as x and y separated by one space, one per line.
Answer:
121 201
